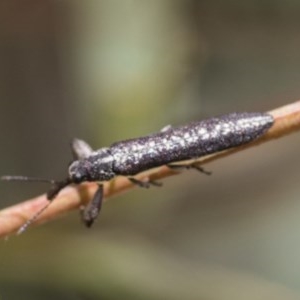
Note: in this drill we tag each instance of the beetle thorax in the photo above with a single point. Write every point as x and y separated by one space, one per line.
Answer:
96 167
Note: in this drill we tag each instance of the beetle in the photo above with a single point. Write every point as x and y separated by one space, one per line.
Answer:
169 146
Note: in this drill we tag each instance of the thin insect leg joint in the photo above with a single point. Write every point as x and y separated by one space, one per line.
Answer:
199 168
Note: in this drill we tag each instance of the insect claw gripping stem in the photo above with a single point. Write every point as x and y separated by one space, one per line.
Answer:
169 146
194 166
145 184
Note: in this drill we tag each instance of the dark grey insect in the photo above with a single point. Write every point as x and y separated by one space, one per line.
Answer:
170 145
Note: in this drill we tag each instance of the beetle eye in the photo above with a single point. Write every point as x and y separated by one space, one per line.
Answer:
77 177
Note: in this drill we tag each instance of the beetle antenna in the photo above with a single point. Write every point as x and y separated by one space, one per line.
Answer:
32 219
57 186
51 194
26 178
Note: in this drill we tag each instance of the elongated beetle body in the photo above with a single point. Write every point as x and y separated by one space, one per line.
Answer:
170 145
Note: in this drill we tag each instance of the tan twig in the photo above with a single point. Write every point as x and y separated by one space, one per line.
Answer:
287 120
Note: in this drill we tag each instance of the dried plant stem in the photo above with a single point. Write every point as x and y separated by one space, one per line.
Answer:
287 120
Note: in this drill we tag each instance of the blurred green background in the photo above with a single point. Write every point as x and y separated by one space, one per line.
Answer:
110 70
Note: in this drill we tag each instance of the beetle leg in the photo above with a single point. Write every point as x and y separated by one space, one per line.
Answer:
91 211
194 166
144 184
166 128
80 149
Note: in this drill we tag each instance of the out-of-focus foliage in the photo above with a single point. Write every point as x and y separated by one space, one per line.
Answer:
109 70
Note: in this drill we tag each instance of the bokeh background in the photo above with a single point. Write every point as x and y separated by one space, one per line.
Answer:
109 70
